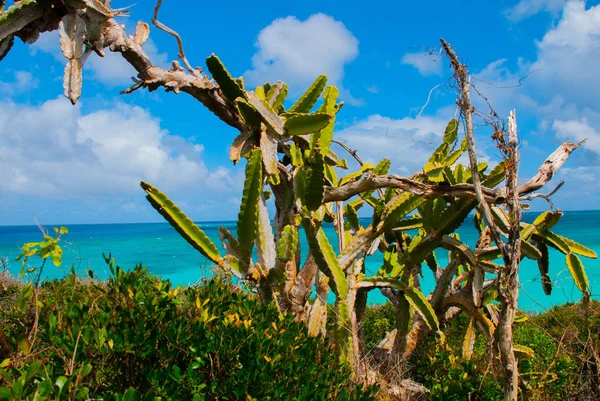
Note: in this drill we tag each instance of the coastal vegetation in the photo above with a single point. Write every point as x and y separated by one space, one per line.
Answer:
134 336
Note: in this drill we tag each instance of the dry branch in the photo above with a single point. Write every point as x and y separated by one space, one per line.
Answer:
497 196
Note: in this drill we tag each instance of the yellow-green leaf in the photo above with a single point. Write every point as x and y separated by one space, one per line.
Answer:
578 272
181 222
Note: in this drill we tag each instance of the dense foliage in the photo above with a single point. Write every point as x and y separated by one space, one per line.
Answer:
135 334
564 341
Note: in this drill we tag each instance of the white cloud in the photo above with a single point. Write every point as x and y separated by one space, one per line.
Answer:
23 81
578 130
56 150
407 142
427 64
527 8
297 51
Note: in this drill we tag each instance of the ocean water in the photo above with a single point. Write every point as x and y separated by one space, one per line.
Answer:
160 249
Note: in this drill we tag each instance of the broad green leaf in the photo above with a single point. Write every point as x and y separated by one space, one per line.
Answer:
383 167
249 114
496 176
399 208
306 123
544 266
451 132
326 258
530 251
183 224
547 220
229 86
577 248
578 272
409 224
276 95
453 157
555 241
310 97
314 183
423 307
288 243
247 217
269 116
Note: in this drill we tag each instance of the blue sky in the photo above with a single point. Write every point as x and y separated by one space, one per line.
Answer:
66 164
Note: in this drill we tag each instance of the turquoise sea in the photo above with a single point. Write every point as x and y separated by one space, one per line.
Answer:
158 247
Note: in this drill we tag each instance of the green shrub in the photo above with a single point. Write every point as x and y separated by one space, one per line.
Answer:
136 335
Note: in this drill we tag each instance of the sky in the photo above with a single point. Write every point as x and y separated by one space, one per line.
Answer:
64 164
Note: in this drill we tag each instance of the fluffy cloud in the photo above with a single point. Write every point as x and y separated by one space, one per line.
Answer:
407 142
527 8
23 81
297 51
56 150
427 64
578 130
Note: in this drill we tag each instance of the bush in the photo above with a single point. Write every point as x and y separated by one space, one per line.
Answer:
135 334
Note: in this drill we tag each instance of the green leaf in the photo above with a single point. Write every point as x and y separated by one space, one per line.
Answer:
530 251
276 95
400 207
306 123
314 183
5 393
56 255
451 132
249 114
310 97
578 272
423 307
544 267
496 176
554 241
269 116
453 157
524 351
247 217
183 224
288 243
547 220
577 248
229 86
326 258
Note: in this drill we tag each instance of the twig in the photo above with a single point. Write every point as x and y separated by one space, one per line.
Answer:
428 98
520 83
351 151
546 197
171 32
137 85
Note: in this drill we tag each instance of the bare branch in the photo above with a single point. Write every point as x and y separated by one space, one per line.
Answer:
351 151
171 32
497 196
546 197
201 88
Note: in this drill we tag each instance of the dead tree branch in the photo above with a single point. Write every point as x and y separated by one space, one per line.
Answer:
173 33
